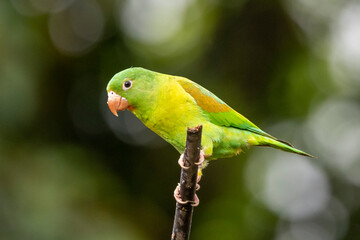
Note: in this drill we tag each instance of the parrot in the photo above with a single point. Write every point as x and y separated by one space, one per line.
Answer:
169 104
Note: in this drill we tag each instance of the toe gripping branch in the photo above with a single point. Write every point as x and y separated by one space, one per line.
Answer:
185 191
199 164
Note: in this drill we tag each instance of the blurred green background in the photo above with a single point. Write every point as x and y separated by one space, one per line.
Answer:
70 170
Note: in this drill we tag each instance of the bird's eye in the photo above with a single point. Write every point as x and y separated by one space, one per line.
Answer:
127 85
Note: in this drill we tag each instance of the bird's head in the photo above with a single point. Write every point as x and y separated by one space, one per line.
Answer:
130 89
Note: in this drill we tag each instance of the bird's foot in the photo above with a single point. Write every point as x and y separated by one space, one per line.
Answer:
182 163
200 163
177 197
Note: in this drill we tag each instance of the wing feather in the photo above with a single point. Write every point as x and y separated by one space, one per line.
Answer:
217 110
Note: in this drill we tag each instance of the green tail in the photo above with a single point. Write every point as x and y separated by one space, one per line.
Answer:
280 144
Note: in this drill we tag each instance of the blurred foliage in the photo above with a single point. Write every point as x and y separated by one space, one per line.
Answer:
71 170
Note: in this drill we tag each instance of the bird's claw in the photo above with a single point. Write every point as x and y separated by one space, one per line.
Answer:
196 201
182 163
201 159
177 197
199 163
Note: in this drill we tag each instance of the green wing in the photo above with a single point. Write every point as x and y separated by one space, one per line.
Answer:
217 110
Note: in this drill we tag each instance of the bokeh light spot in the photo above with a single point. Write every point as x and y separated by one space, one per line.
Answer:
78 28
345 47
289 185
335 127
153 21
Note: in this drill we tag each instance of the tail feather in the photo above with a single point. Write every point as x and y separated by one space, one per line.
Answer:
280 144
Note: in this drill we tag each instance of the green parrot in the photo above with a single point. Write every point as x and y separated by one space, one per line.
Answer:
168 105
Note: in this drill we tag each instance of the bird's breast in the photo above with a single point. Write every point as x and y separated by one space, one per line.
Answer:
173 112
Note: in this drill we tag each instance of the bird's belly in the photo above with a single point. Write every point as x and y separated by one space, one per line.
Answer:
172 127
232 142
171 120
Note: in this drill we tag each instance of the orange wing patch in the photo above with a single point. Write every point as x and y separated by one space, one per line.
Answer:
206 102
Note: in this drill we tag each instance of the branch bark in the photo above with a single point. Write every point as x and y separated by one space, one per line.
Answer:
184 212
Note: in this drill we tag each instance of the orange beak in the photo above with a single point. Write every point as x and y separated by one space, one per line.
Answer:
116 102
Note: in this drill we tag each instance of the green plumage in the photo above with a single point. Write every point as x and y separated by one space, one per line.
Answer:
169 104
